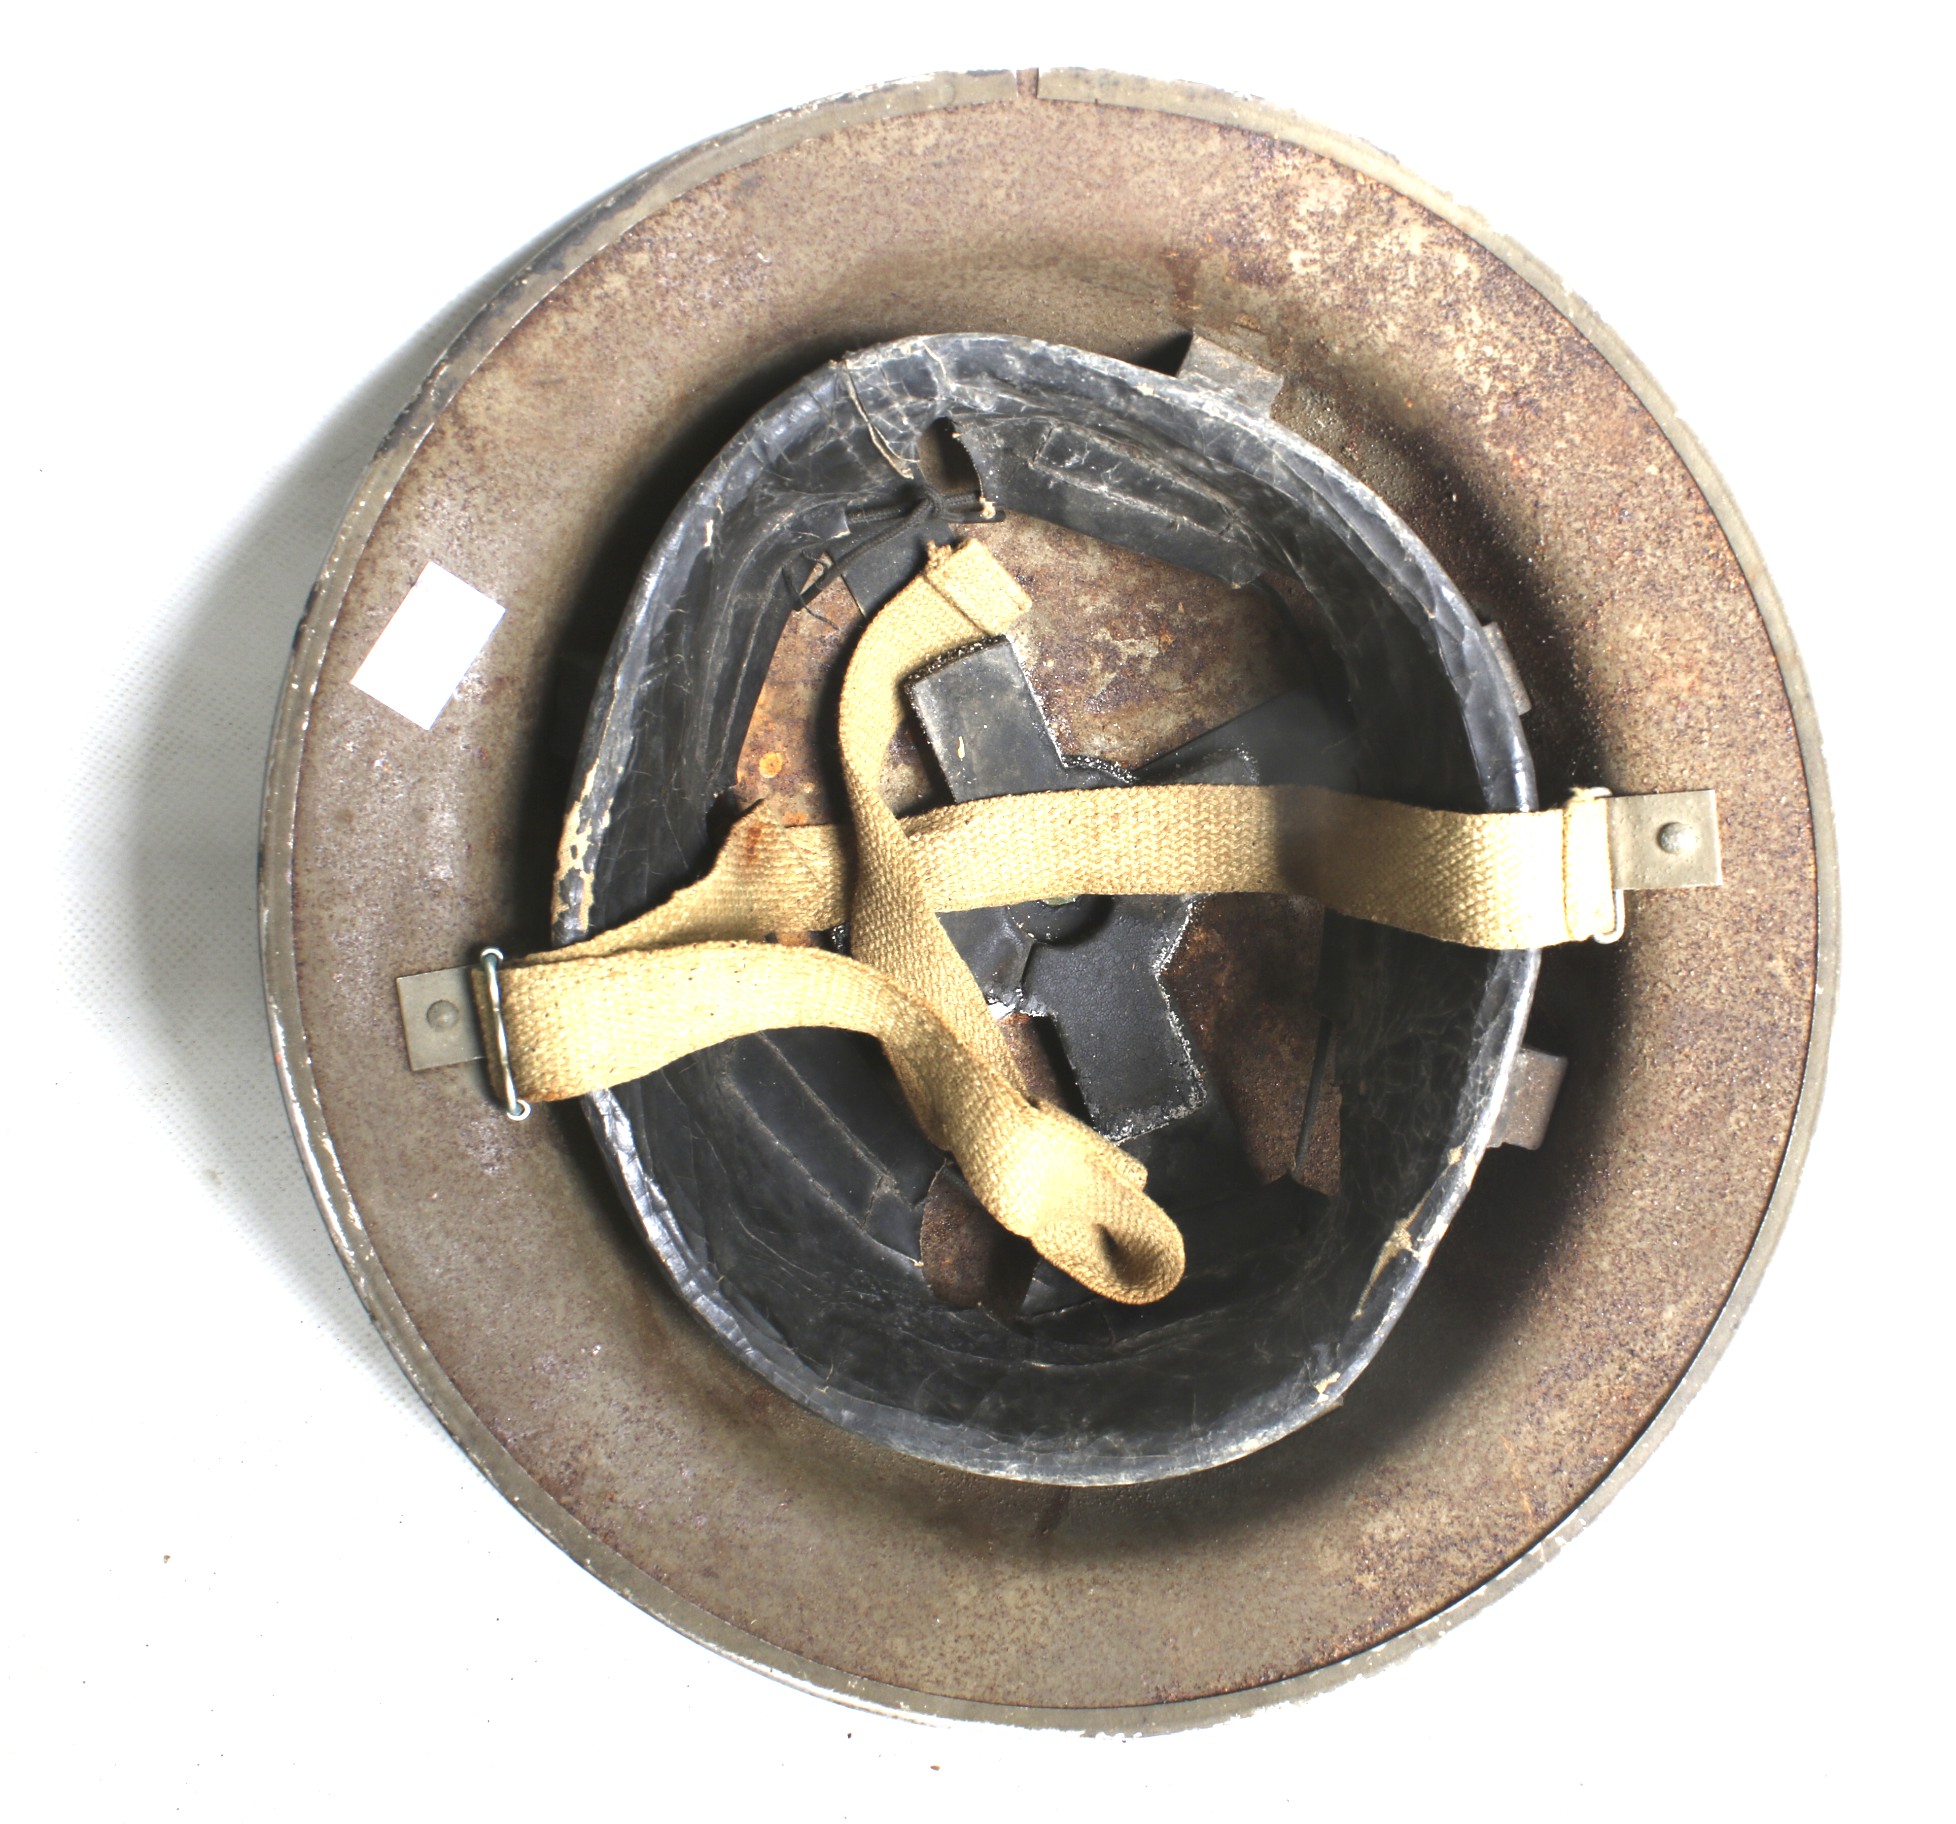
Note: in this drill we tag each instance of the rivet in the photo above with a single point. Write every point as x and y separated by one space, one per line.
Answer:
1677 838
442 1014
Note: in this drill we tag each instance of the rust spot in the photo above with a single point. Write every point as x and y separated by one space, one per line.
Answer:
968 1260
1243 981
789 755
1130 656
1026 1042
787 758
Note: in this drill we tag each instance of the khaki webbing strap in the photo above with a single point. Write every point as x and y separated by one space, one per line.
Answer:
626 1003
1495 881
1515 880
962 596
1076 1197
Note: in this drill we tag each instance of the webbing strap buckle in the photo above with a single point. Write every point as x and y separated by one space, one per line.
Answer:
489 963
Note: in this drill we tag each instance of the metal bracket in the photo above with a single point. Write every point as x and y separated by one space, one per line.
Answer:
1664 839
1533 1086
438 1018
1251 385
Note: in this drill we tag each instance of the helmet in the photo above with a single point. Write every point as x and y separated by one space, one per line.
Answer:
1264 436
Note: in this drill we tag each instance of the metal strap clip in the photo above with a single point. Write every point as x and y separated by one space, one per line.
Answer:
490 963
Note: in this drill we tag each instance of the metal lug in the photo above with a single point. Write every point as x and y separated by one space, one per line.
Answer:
1251 385
1664 839
1533 1086
438 1018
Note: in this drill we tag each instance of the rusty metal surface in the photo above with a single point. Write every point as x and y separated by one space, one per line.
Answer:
1579 1284
1245 980
1131 657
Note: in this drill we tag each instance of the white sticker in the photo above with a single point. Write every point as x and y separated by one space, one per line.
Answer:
425 650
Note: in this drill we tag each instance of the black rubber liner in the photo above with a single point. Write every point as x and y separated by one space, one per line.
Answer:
778 1176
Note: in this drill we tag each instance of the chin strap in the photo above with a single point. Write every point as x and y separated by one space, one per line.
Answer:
698 970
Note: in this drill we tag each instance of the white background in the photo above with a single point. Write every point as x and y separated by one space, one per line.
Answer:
247 1574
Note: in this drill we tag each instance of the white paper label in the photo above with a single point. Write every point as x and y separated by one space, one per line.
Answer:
424 652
